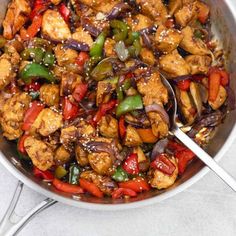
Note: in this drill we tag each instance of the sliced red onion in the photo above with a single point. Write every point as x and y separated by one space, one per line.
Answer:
181 78
75 45
86 24
159 148
6 95
158 108
117 10
146 40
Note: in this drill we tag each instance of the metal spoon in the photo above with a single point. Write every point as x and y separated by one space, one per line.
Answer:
200 153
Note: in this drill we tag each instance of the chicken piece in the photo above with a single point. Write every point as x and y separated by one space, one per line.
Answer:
81 155
147 56
132 138
65 56
16 16
140 154
109 47
104 90
68 82
192 44
187 14
174 6
108 127
82 36
155 9
141 22
198 64
154 92
100 162
47 122
160 180
54 27
12 56
68 136
85 130
61 156
104 183
104 6
174 65
49 94
39 152
12 115
167 40
56 2
220 99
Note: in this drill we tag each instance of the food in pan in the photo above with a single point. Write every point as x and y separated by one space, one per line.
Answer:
82 95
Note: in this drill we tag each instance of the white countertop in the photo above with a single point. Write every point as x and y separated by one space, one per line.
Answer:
206 208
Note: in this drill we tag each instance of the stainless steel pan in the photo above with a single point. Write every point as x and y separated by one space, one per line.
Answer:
223 18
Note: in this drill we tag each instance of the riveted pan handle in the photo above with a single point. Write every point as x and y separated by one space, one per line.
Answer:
10 228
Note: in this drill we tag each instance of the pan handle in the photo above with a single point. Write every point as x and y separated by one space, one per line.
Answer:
7 225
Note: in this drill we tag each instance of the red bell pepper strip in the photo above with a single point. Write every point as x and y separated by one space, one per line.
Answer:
224 78
21 147
33 86
70 110
31 114
120 192
214 86
65 12
122 128
39 7
80 91
175 147
45 175
35 26
138 184
103 109
163 164
91 188
184 84
203 13
184 157
82 58
67 188
130 165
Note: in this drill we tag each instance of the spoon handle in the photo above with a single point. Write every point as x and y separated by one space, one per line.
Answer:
207 159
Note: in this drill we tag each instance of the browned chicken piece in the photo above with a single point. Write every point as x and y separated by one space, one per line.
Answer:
39 152
104 183
104 90
61 156
132 138
56 2
187 107
198 64
12 115
108 127
220 99
81 155
133 120
68 136
166 40
192 44
16 16
50 94
174 5
68 82
187 14
143 161
109 47
9 63
82 36
154 9
160 180
147 56
174 65
104 6
154 92
85 130
54 27
47 122
65 56
140 22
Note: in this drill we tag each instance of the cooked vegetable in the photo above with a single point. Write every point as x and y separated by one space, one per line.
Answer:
120 192
120 175
97 47
67 188
74 174
60 172
137 184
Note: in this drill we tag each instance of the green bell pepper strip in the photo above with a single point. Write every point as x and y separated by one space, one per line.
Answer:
97 47
135 49
74 173
126 85
129 104
60 172
89 65
132 36
34 94
48 59
36 70
120 175
119 93
102 70
36 54
120 30
42 43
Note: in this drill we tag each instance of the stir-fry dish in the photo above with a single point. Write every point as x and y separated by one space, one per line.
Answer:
81 90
